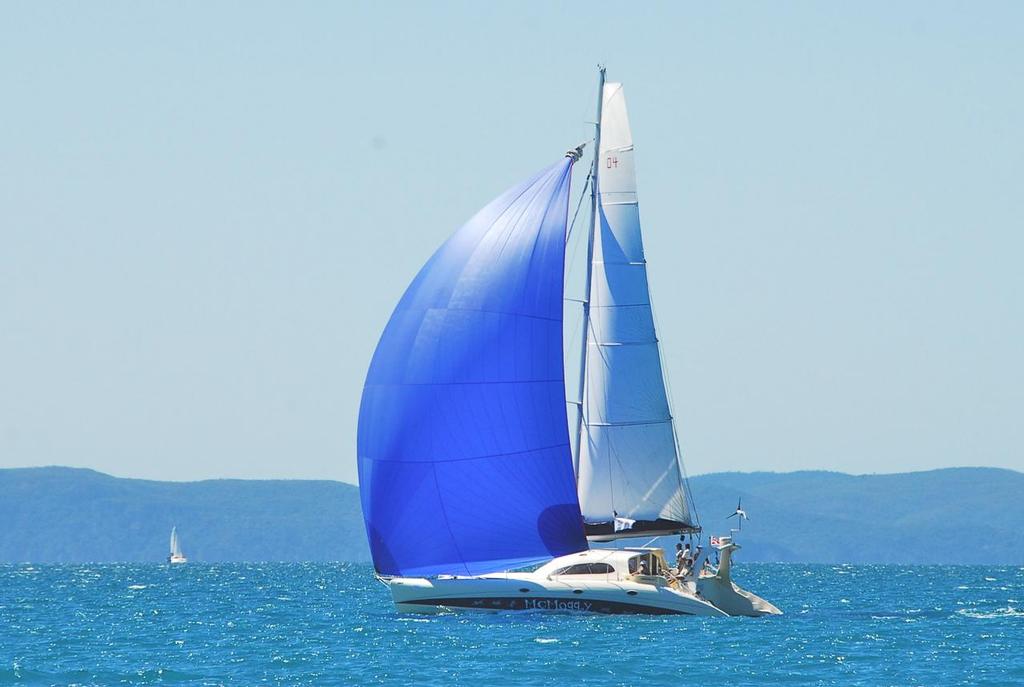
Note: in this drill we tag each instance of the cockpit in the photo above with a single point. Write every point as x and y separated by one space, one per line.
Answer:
646 564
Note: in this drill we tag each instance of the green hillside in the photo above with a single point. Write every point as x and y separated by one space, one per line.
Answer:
961 515
956 515
74 515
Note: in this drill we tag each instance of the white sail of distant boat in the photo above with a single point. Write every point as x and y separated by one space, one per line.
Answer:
176 556
630 480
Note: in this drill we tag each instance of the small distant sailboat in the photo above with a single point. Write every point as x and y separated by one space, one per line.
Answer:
176 556
466 466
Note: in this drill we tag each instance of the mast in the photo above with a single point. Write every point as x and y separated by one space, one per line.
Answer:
590 266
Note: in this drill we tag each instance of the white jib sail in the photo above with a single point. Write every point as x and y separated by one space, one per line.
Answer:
175 545
629 464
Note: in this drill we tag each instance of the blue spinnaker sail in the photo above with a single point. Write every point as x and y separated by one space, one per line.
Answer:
464 458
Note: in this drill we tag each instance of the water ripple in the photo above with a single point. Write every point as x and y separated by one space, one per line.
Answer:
289 624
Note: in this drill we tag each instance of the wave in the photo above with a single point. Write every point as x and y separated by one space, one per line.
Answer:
1007 612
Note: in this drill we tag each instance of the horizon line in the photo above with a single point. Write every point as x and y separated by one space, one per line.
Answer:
354 484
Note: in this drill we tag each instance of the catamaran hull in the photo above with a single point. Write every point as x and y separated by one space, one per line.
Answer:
718 587
523 593
734 600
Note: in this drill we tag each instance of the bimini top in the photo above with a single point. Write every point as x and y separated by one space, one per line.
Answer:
464 458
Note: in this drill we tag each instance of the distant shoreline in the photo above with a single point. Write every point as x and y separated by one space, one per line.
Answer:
338 481
964 516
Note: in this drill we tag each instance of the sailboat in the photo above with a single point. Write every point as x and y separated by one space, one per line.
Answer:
176 556
474 466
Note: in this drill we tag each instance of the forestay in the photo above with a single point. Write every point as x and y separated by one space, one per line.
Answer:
464 459
630 480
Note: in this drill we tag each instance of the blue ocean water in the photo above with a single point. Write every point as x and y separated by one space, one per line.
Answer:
325 624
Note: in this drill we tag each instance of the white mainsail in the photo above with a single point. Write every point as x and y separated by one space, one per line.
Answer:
629 470
175 544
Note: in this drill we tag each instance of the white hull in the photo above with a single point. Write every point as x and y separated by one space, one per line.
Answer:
174 560
717 587
527 592
595 581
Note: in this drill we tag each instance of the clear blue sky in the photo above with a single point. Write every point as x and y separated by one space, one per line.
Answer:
208 210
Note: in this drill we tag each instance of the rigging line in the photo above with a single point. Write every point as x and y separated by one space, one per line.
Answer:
593 332
579 204
583 386
570 259
689 507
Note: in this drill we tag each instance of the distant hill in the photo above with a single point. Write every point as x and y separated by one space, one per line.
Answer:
960 515
74 515
956 515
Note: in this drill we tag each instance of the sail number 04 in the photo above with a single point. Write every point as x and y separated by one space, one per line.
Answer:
610 162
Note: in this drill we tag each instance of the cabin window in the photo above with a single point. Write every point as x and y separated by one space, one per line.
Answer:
585 569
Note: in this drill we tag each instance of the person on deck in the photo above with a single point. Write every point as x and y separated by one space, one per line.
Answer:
696 557
684 560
